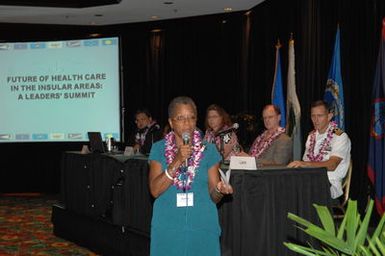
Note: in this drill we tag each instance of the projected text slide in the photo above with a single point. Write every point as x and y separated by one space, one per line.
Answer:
58 91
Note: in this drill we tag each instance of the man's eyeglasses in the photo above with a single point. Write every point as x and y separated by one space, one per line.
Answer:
268 117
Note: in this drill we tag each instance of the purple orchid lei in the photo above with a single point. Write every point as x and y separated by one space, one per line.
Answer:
184 178
325 143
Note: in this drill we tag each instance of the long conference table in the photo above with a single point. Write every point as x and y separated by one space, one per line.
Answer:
106 206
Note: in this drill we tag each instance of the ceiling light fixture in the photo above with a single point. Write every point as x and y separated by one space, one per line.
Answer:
227 9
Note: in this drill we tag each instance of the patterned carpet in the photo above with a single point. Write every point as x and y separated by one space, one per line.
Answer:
26 229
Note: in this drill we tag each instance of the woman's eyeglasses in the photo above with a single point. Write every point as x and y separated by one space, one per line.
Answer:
182 119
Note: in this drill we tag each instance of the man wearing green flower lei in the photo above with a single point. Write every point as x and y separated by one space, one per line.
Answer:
184 181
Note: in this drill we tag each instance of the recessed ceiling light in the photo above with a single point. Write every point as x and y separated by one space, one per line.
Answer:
154 17
156 30
227 9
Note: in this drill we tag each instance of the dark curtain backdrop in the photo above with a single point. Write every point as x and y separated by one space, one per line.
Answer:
226 59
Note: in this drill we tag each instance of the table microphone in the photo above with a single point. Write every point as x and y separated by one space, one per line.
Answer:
186 141
233 128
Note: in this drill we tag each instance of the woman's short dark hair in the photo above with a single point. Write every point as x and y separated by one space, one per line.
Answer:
180 100
221 112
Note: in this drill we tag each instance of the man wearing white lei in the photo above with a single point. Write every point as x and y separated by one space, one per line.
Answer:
326 146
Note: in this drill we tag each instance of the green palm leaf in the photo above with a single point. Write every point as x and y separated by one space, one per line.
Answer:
341 230
380 228
326 218
373 248
305 250
352 222
363 230
380 245
328 239
350 236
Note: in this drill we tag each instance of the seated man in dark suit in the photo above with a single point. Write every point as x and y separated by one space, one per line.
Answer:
147 132
273 146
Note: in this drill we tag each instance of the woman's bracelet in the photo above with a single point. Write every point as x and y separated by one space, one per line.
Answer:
168 175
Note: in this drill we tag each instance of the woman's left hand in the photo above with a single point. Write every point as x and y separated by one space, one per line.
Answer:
224 188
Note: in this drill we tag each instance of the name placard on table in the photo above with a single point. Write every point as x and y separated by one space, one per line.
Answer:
243 163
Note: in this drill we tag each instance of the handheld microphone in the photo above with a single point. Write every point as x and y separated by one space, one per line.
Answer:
186 141
231 129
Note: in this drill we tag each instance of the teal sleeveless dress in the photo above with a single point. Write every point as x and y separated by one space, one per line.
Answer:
186 231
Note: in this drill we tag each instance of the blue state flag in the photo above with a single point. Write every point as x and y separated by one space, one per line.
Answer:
277 97
376 159
334 92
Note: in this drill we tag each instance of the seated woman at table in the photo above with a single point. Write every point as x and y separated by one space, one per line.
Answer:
218 131
273 147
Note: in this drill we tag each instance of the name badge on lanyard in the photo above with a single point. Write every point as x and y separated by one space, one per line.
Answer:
184 199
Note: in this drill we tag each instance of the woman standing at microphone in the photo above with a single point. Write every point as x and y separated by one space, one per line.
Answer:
184 179
220 131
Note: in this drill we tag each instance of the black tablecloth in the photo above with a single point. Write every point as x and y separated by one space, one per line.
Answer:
254 219
109 187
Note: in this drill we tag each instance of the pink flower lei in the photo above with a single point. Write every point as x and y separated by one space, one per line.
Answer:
184 178
325 143
261 144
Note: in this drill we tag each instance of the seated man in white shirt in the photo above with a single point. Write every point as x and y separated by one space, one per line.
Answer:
326 146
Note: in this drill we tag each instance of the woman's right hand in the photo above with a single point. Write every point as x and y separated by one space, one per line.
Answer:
184 152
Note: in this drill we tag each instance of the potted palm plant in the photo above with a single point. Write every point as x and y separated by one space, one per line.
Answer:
349 238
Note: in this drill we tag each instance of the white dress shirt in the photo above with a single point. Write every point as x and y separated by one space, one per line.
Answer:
340 146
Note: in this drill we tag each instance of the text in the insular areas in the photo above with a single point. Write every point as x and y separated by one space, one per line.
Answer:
56 86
